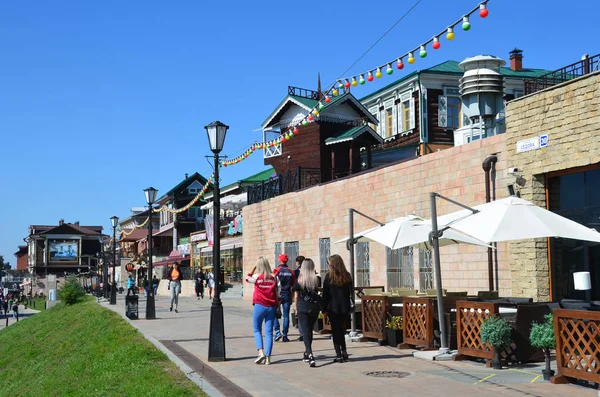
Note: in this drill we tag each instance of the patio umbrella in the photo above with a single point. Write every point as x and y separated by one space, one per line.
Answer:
513 218
411 231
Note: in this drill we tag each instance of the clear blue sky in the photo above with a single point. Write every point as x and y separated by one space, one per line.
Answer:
99 100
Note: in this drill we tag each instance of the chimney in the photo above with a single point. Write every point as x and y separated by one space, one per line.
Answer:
186 175
61 222
77 223
516 59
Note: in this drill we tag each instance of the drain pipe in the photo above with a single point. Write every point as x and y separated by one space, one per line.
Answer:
487 167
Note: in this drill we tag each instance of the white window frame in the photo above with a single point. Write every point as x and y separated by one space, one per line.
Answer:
453 92
406 96
388 105
375 112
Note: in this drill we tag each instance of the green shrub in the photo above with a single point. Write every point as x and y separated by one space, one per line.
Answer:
542 334
496 332
71 292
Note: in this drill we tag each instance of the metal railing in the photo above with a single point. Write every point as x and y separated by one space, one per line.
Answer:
585 66
303 92
287 182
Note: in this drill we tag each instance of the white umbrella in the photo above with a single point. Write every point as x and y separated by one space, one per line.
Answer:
412 231
513 218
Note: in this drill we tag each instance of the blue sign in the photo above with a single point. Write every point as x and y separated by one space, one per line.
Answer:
544 140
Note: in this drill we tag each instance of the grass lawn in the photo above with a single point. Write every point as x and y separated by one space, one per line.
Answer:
39 304
85 350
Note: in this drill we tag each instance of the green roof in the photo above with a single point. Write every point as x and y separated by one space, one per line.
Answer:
186 182
451 67
259 177
352 134
309 103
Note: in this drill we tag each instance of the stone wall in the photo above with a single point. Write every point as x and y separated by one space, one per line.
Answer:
385 194
570 115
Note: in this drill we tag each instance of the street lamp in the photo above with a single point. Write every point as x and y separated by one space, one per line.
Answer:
113 291
150 309
216 341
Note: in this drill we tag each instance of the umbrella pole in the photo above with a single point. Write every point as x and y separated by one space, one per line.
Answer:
438 275
351 249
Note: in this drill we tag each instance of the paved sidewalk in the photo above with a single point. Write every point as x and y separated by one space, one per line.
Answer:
23 315
186 334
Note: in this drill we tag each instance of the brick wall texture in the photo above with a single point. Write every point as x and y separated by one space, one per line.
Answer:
385 194
570 115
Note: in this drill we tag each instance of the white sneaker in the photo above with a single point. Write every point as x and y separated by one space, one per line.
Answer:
260 359
268 361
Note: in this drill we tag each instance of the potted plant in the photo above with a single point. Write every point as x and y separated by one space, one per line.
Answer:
393 330
542 336
495 332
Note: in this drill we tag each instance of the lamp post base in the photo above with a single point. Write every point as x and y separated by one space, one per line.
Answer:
216 339
113 294
150 307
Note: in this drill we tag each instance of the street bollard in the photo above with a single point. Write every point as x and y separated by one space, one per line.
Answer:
7 320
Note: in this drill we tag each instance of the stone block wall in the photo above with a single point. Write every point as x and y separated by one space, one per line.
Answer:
570 115
385 194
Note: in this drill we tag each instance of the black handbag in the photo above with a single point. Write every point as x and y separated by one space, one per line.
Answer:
278 312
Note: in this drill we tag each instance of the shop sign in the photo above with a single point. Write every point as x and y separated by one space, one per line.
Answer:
198 237
184 240
184 249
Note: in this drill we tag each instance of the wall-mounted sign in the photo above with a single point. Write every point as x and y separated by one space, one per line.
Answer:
532 143
198 237
63 250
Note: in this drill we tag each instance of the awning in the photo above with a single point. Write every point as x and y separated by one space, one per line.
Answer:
228 244
362 133
174 256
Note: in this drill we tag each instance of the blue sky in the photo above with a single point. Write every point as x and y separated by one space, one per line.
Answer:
102 99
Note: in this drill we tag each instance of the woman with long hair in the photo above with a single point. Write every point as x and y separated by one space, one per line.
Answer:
174 276
337 298
308 305
265 301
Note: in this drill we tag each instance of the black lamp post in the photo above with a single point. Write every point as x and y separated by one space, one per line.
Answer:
150 309
216 341
113 290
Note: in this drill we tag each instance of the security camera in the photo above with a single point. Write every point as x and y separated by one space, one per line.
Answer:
513 170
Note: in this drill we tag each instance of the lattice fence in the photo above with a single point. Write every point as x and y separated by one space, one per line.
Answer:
418 322
469 319
374 312
577 334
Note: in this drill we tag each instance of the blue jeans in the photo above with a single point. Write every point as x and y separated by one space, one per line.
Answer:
285 308
266 314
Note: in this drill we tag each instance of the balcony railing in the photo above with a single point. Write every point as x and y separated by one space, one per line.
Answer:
292 181
585 66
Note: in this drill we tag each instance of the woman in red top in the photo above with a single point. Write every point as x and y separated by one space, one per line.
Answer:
265 299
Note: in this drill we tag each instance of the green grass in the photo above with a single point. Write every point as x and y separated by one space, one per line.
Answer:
39 304
85 350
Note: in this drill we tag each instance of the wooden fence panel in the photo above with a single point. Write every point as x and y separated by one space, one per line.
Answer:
418 322
469 319
577 334
374 313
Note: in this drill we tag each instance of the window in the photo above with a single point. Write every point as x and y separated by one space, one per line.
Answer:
375 112
518 93
292 250
425 270
193 190
454 112
399 268
363 265
389 130
406 108
324 254
277 252
195 212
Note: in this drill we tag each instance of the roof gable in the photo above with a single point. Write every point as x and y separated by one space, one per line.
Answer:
290 100
184 184
355 103
355 133
70 228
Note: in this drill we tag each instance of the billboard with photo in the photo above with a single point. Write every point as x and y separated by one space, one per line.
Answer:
63 250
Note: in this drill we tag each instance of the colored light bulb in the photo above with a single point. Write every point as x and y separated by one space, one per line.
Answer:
321 106
378 74
389 69
310 117
315 112
295 130
370 76
423 52
483 11
327 99
347 84
466 25
450 34
334 92
362 79
340 85
411 58
400 64
304 122
436 43
354 82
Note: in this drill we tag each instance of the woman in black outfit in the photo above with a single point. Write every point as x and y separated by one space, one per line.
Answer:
308 305
337 295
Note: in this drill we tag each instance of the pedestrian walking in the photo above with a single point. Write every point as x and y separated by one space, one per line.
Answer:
287 279
155 282
146 285
265 300
210 280
174 277
338 301
199 284
10 304
308 305
15 310
299 260
130 285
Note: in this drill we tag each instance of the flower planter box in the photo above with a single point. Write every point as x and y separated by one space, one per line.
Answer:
393 336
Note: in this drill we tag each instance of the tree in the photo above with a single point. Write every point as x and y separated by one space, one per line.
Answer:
4 266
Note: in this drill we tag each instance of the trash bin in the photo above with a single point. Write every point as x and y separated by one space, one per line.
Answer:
131 307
